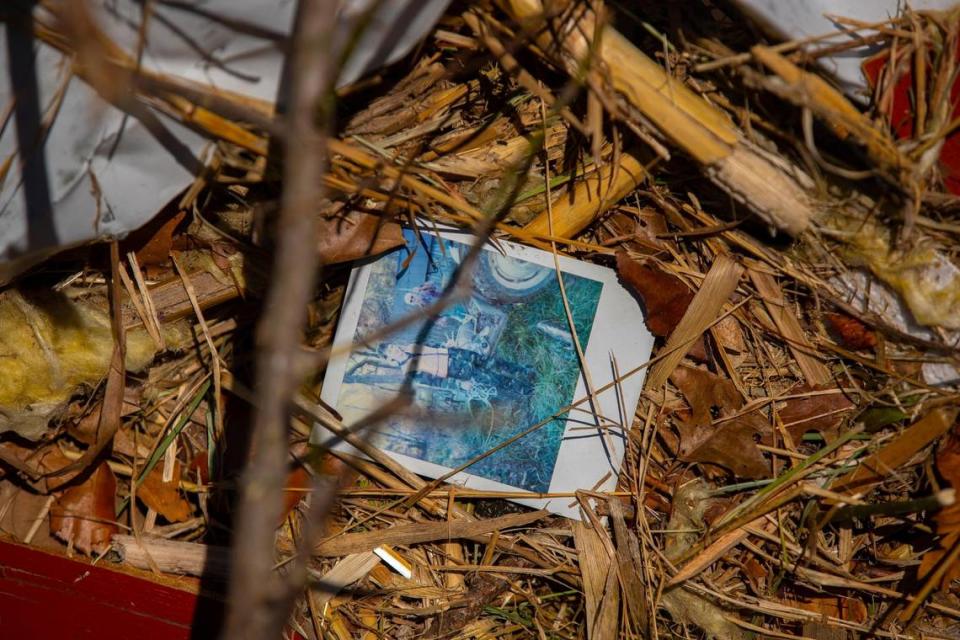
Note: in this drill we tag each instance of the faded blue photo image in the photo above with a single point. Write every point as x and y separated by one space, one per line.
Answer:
481 371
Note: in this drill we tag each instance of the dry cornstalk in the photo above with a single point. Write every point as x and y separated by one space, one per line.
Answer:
595 193
812 92
767 185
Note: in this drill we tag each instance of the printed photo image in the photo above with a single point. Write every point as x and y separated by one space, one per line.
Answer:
481 371
494 364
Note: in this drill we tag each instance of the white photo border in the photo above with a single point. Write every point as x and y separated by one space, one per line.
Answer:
583 461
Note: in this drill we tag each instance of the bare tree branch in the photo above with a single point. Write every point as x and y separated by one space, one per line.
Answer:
259 598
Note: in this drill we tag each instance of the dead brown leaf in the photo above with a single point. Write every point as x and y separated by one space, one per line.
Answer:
823 413
641 229
40 461
356 235
852 333
755 572
84 513
165 497
849 609
731 444
297 486
85 427
154 242
665 297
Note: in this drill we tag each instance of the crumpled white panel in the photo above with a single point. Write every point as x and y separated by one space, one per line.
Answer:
91 148
797 19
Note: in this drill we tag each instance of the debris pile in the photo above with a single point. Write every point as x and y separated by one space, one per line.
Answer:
791 470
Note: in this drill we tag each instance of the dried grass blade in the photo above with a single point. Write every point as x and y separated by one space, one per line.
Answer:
347 571
720 282
713 552
630 566
112 408
898 451
813 369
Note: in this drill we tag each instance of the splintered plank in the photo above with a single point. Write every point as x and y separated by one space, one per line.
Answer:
173 302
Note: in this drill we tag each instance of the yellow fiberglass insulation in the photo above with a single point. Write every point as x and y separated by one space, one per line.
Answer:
51 347
918 269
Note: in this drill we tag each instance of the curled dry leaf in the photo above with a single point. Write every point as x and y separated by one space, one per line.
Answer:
84 513
154 242
755 572
640 228
356 235
40 461
823 413
665 297
731 444
164 497
85 427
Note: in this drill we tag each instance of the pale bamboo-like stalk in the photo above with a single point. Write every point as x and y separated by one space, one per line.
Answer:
768 186
594 193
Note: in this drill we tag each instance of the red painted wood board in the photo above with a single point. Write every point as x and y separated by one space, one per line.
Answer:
902 115
43 595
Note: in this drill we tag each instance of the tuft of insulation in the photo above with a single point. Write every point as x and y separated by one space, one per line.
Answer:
52 347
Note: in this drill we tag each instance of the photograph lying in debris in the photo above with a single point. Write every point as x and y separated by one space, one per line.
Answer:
496 361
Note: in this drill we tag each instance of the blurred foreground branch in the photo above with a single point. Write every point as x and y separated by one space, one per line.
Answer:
259 598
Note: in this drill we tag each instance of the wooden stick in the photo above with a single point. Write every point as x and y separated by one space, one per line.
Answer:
173 556
423 532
